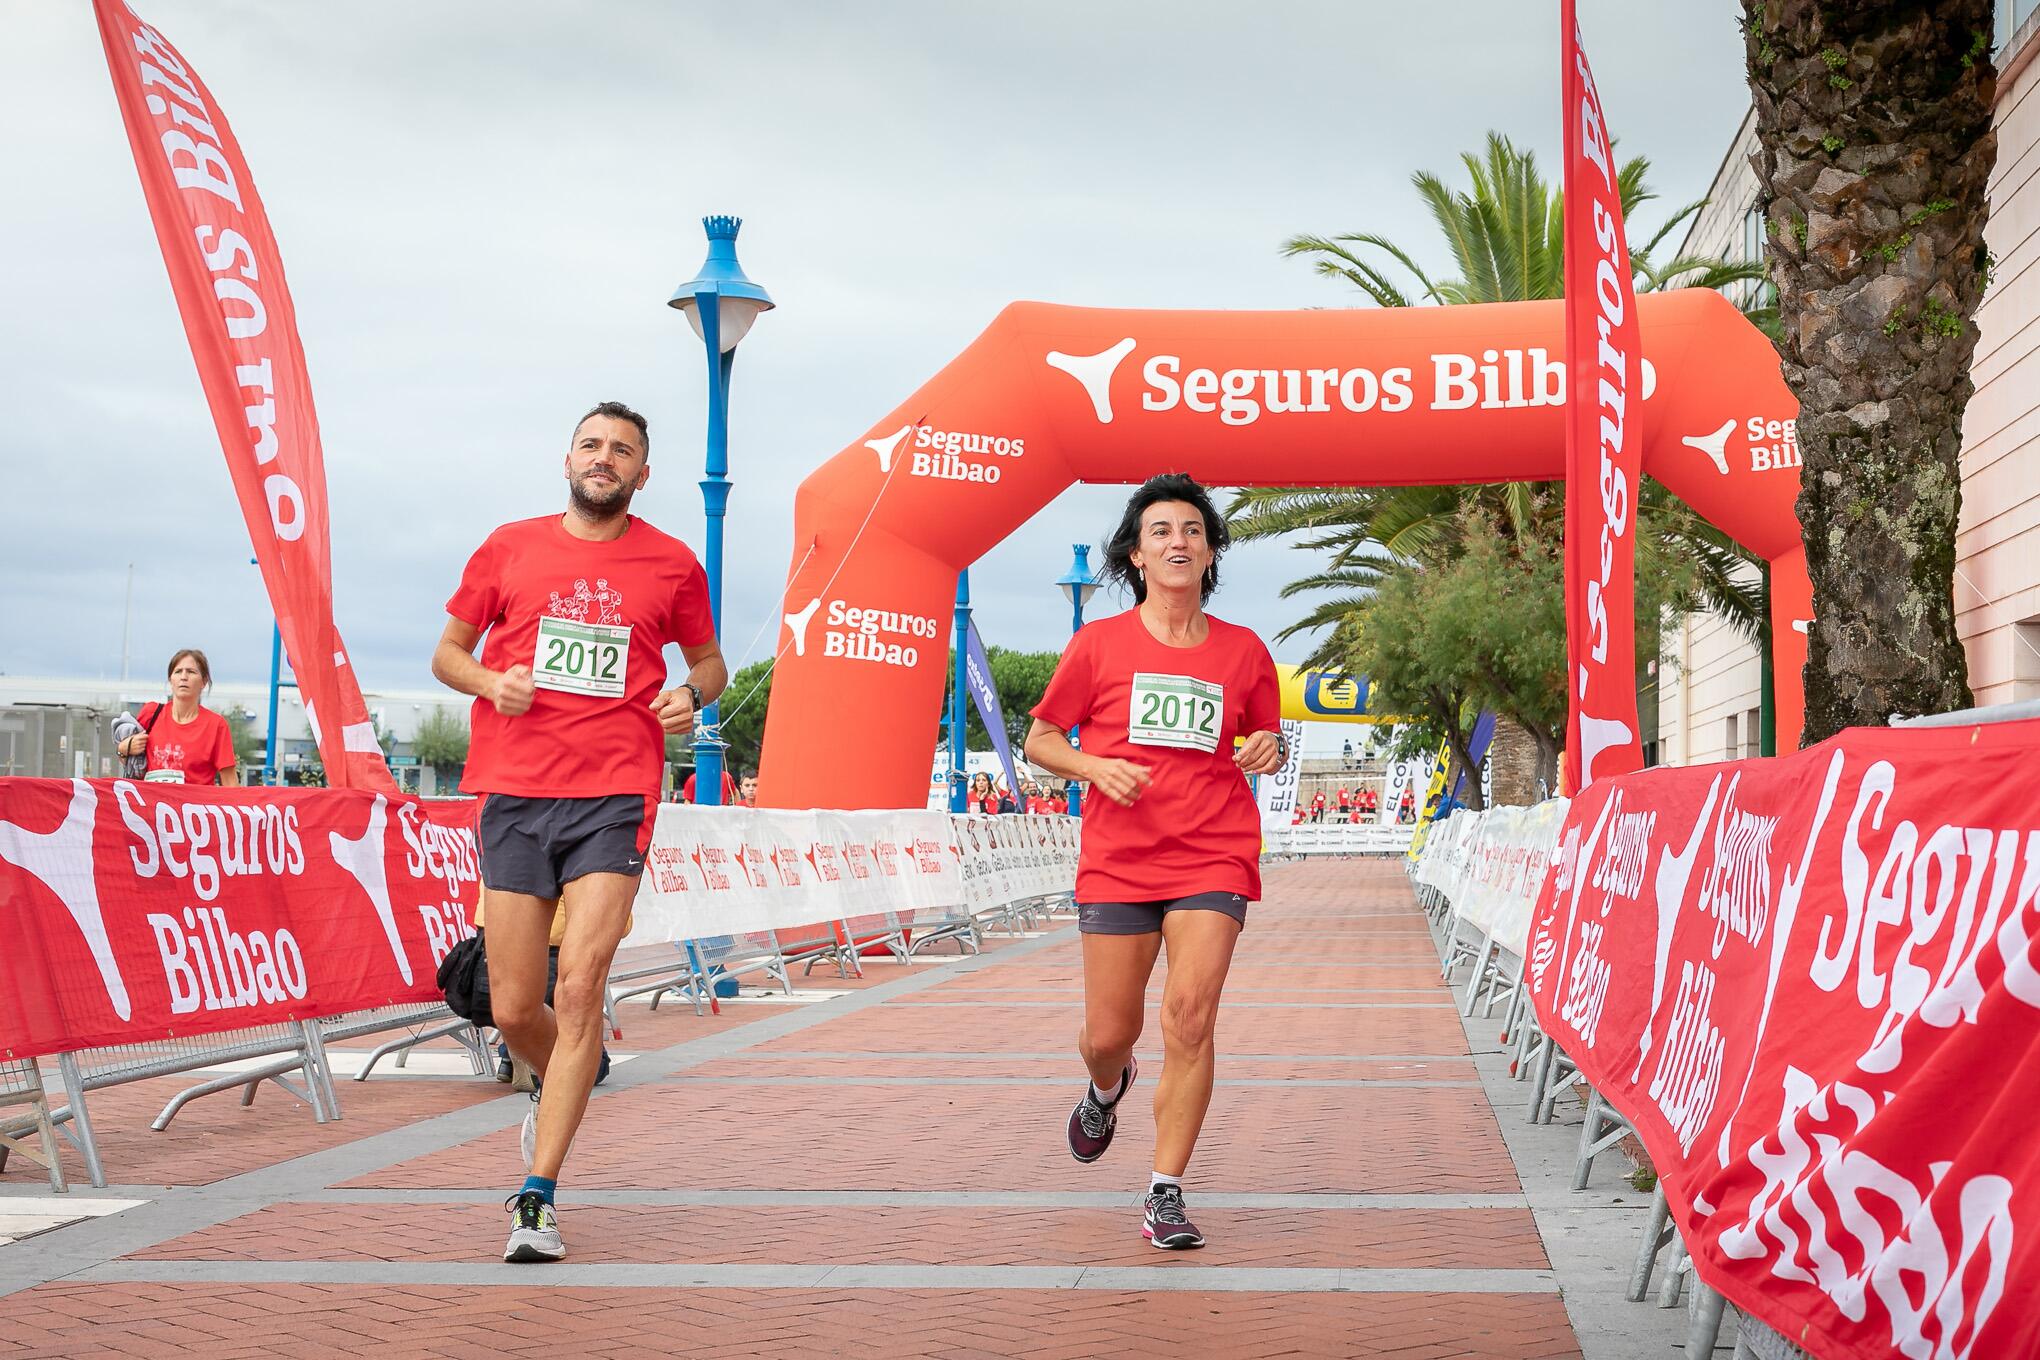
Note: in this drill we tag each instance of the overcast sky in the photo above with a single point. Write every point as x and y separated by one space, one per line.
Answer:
483 208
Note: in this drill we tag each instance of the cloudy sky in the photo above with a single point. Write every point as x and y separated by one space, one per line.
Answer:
483 208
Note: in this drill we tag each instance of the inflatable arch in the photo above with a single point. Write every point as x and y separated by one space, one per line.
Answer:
1049 395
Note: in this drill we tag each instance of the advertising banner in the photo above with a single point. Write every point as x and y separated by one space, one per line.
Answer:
1276 792
1810 982
148 911
977 678
1603 439
227 275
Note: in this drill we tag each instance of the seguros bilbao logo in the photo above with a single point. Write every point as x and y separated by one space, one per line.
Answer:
858 634
1489 379
946 455
1773 444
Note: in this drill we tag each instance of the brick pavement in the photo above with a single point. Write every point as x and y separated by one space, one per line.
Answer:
879 1174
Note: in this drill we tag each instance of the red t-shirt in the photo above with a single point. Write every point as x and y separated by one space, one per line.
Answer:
189 753
578 744
1196 827
729 790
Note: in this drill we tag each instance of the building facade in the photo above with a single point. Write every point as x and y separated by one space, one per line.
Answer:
1709 681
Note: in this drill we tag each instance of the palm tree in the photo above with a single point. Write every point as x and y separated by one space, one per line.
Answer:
1874 120
1505 235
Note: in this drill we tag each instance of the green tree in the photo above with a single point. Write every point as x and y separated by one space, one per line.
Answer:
1874 120
441 741
1505 237
743 716
249 749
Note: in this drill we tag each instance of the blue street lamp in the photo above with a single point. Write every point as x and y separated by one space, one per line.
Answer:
720 304
1078 585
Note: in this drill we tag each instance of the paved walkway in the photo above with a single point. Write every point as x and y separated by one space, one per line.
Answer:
878 1172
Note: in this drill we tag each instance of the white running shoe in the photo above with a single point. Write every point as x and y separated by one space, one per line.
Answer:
534 1230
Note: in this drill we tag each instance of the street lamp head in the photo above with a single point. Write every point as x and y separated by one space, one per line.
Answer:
721 280
1078 585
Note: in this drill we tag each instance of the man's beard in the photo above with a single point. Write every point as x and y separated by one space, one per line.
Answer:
593 506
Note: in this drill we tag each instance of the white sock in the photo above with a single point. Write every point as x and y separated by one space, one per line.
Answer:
1118 1089
1156 1180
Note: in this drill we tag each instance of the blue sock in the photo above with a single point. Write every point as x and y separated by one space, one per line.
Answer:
540 1184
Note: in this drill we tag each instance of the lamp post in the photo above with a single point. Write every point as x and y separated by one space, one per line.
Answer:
959 766
1078 585
721 304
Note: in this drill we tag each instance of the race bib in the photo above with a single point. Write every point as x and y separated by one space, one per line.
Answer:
163 777
582 658
1175 710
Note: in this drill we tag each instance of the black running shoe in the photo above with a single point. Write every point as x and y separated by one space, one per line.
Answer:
1165 1224
1093 1121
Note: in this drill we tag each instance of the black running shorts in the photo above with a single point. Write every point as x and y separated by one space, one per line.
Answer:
1145 918
535 845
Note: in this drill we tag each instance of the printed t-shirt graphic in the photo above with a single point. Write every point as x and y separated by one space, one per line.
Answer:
592 620
1176 710
189 753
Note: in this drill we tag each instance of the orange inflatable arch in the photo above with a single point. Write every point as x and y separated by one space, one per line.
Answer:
1051 395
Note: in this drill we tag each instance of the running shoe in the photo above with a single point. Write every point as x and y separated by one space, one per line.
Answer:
527 1138
506 1070
1093 1121
534 1229
1166 1225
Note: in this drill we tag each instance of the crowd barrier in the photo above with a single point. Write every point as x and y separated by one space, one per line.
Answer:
161 930
1808 984
1336 838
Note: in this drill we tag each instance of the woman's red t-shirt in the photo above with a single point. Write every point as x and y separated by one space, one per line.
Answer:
189 753
1196 827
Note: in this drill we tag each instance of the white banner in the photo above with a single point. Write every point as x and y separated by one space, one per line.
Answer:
715 871
1336 838
1277 792
1490 866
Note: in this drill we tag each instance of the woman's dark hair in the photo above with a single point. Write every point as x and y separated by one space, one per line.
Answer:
1169 486
204 670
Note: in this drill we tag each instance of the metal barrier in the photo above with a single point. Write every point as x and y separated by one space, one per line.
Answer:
21 1084
421 1023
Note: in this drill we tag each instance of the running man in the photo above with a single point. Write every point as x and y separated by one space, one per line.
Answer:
1172 836
568 747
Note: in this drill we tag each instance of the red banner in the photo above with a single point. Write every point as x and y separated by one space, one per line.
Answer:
142 911
228 278
1603 441
1810 982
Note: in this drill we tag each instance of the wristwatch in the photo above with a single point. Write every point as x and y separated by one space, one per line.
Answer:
695 690
1281 746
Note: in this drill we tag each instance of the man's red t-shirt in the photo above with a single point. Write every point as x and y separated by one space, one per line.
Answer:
197 751
1196 827
646 586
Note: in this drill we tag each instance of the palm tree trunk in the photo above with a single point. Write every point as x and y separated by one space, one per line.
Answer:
1876 147
1514 755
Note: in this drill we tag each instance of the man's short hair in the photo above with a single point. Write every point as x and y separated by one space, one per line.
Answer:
616 410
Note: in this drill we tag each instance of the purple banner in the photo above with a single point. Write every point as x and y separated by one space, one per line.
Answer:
977 678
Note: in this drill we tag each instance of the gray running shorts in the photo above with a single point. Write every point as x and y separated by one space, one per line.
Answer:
534 845
1145 918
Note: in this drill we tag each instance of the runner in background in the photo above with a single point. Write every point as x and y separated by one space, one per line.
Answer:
181 742
1172 836
568 747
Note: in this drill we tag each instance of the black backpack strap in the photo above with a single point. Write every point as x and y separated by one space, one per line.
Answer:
147 717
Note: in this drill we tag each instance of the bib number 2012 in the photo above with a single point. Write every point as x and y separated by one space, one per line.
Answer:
581 658
1176 710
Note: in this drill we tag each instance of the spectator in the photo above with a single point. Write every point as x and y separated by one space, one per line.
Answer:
1345 801
982 797
1317 806
747 788
1406 810
179 742
1006 801
1348 754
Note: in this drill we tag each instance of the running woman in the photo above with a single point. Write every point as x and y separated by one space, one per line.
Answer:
570 719
1172 836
